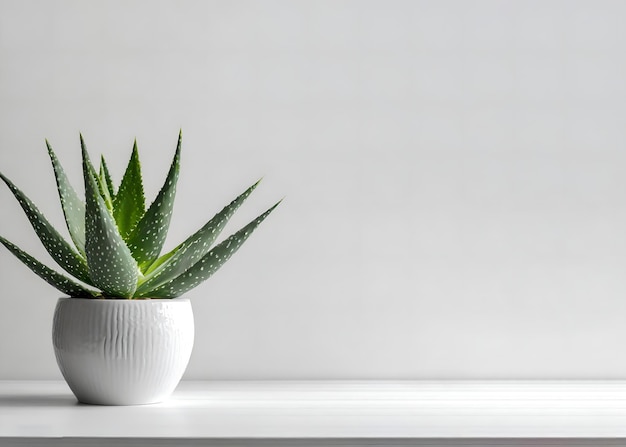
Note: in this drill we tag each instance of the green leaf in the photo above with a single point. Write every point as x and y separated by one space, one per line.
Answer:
147 238
161 262
105 177
62 283
129 205
73 206
60 250
103 190
169 266
111 264
208 264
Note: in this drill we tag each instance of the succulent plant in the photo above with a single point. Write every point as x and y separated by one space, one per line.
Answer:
117 242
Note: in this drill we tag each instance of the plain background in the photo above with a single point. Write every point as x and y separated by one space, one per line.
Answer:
454 174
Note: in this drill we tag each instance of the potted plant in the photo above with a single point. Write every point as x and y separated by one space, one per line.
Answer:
123 335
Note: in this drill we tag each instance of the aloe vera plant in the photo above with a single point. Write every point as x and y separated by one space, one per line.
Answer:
117 242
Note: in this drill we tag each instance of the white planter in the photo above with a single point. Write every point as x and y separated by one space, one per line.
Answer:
122 352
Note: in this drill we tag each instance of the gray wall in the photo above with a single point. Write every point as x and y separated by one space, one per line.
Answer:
454 173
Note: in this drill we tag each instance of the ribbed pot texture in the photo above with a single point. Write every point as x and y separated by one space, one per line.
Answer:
122 352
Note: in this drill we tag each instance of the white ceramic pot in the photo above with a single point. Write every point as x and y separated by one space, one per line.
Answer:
122 352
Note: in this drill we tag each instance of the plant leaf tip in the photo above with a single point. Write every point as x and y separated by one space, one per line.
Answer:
83 147
276 204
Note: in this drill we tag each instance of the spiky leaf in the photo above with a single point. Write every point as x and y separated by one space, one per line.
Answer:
147 238
105 176
106 193
103 190
208 264
73 206
62 283
60 250
172 264
129 205
111 264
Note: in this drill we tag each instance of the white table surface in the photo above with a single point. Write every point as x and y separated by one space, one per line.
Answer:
327 410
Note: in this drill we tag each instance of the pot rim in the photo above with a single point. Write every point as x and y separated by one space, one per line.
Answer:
124 300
